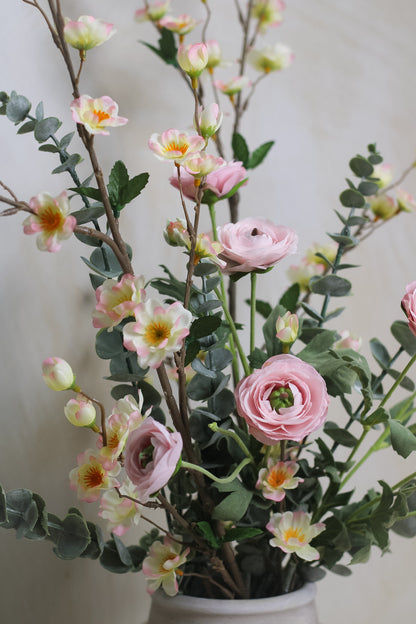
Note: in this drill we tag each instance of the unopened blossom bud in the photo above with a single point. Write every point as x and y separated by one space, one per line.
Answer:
193 58
382 206
154 12
210 119
87 32
176 234
57 374
80 411
214 54
405 201
287 328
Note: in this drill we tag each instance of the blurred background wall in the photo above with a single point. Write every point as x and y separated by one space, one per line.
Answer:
352 83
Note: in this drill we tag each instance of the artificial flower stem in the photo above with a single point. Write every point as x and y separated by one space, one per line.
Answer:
232 434
253 283
230 321
207 473
102 411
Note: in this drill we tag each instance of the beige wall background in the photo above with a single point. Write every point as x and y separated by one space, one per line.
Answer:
352 83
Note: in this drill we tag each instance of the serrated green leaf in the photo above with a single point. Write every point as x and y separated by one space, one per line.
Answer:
167 50
257 358
134 187
241 533
204 326
259 154
240 149
118 181
208 534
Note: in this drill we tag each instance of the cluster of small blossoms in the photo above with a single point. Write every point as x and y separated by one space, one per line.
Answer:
312 265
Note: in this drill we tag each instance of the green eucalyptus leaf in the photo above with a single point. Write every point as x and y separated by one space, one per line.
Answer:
46 128
403 335
49 147
346 241
201 388
218 359
403 440
204 326
3 506
342 436
200 368
74 538
406 382
362 555
109 344
380 353
29 126
331 285
17 107
39 113
311 312
85 215
368 188
66 140
70 163
88 191
361 167
352 199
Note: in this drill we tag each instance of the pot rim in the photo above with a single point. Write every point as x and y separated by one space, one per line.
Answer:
299 597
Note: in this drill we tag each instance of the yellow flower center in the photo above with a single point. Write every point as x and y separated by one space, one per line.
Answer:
292 532
175 147
156 332
102 115
276 477
51 220
93 477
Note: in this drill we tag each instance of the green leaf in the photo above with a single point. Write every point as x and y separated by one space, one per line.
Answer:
273 345
49 147
332 285
290 298
241 533
257 358
167 50
259 154
27 127
380 415
233 507
380 353
352 199
88 191
240 149
362 555
200 368
342 436
404 336
201 388
405 383
104 262
204 326
312 312
46 128
85 215
403 440
17 107
208 534
74 537
3 506
109 344
361 167
218 359
368 188
346 241
66 140
22 512
118 181
262 307
70 163
39 113
134 187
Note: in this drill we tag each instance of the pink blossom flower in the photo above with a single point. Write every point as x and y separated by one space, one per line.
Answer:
161 566
210 120
303 272
87 32
154 12
57 374
151 455
125 417
405 201
97 115
193 58
293 533
181 25
93 474
202 164
175 145
158 331
255 244
271 58
286 399
287 327
268 12
276 478
409 306
80 411
348 340
214 54
132 409
233 86
220 182
117 300
121 513
51 220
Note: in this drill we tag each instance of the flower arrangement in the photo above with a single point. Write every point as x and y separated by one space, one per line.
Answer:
234 441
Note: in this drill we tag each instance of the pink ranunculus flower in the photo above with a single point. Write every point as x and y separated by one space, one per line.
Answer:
161 566
151 456
121 513
175 145
51 220
255 244
220 182
193 58
96 114
277 478
286 399
409 306
117 300
158 332
87 32
293 533
93 474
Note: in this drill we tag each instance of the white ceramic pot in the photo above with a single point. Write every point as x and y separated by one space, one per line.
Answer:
295 608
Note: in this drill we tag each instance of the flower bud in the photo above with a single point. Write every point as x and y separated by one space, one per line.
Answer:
405 201
383 206
176 234
80 411
210 119
214 54
57 374
193 58
287 327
